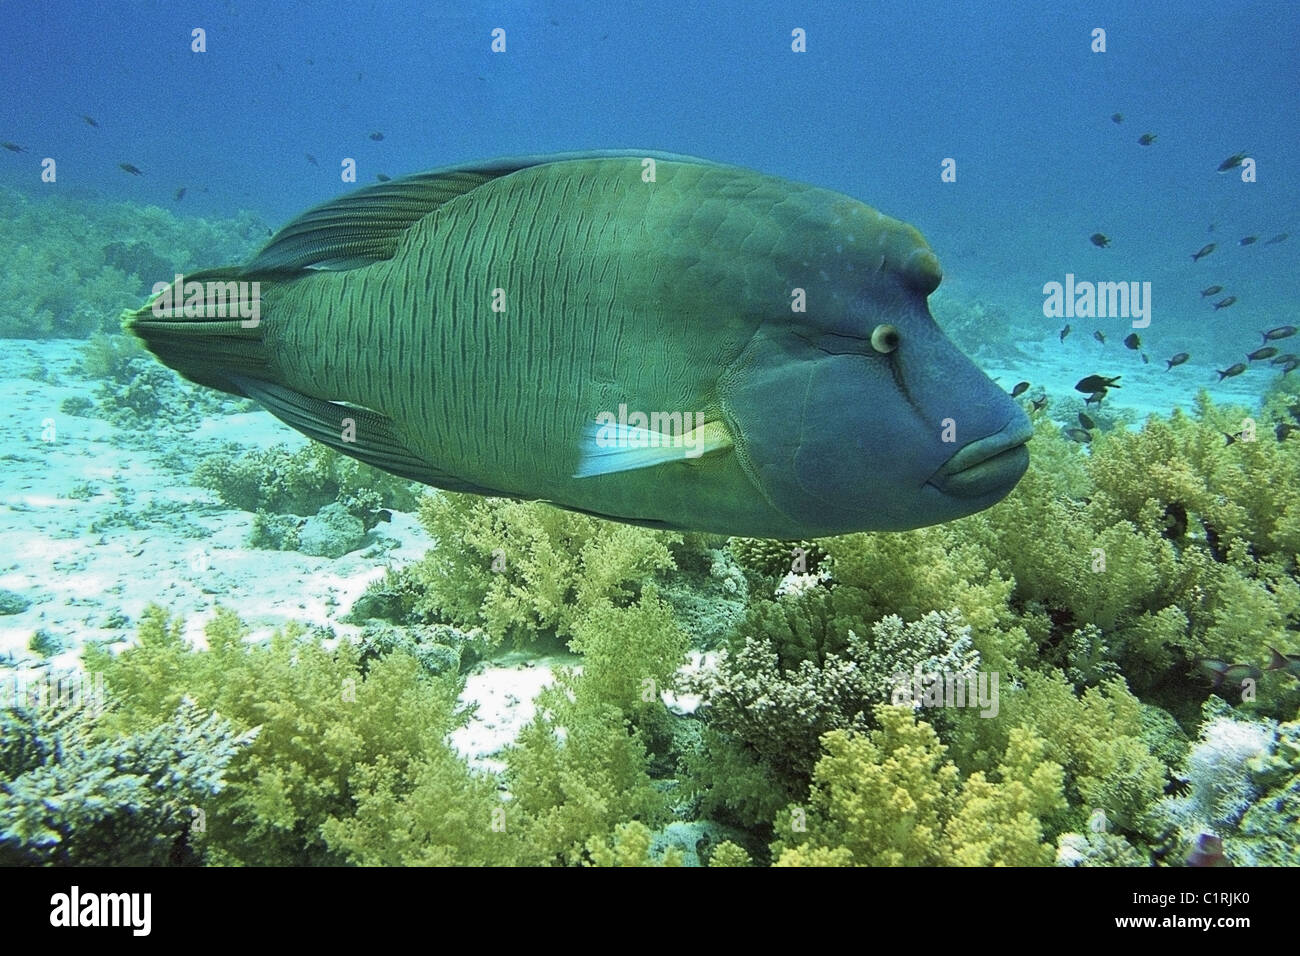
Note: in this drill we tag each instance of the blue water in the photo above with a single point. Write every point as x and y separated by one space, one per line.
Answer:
885 92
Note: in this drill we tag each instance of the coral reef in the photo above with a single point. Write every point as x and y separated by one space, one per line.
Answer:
11 602
1100 593
892 798
520 570
279 481
778 705
72 797
68 269
1242 784
775 559
330 733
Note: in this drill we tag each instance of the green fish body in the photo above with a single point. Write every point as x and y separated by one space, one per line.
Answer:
646 337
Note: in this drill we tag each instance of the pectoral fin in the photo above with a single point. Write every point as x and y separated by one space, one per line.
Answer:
607 449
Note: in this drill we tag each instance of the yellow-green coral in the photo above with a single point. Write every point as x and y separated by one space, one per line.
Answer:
1243 490
325 727
727 853
893 798
277 480
629 654
1097 738
930 569
520 569
630 846
1180 547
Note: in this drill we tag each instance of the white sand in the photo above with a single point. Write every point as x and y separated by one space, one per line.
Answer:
187 560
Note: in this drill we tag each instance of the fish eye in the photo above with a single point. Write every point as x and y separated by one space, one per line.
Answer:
884 338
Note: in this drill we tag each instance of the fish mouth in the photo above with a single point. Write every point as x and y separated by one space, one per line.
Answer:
989 466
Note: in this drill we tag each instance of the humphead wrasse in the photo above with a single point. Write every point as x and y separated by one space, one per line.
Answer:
646 337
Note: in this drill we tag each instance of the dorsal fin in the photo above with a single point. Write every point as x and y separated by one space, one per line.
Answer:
366 226
361 227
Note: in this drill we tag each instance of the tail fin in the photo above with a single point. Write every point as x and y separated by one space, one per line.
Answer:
209 327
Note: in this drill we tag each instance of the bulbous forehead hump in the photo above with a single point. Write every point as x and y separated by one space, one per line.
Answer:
853 229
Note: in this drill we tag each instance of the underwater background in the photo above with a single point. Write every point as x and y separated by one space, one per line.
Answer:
221 643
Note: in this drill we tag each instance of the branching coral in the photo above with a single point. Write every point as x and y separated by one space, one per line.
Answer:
74 796
1097 738
520 569
892 798
769 558
326 728
1179 547
768 702
630 846
280 481
1243 784
1218 770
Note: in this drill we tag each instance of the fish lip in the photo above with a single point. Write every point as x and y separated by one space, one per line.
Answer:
988 465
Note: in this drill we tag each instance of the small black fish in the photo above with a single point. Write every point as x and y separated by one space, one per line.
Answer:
1204 251
1079 435
180 194
14 147
1086 422
382 178
128 168
1117 117
311 159
1283 429
1038 404
1247 240
1230 439
1064 332
376 136
1020 389
1284 662
1212 290
1100 240
1096 383
89 120
1224 303
1266 352
1219 671
1280 237
1281 332
1100 336
1178 359
1131 341
1232 162
1231 370
1146 360
1146 139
